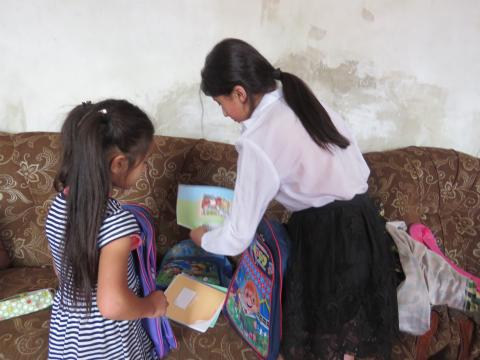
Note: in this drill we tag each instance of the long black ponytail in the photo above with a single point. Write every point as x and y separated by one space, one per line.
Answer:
89 135
234 62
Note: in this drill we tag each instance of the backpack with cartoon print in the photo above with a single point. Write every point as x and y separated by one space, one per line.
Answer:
254 299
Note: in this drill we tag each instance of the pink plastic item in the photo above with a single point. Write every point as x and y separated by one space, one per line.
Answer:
424 235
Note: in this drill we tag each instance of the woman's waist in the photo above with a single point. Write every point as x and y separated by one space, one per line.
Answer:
358 200
303 201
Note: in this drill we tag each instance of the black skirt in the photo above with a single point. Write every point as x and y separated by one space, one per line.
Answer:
340 286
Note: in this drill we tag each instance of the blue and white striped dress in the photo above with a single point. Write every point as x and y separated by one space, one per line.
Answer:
74 334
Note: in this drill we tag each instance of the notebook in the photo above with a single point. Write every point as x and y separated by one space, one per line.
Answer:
193 303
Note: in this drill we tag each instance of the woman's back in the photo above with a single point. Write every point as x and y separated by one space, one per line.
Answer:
309 175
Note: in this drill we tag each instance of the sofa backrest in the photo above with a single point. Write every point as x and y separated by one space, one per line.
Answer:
438 187
28 164
27 169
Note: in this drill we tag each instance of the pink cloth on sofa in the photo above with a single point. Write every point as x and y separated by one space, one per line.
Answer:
424 235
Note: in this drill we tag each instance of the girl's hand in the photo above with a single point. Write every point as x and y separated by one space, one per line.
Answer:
159 304
196 235
116 301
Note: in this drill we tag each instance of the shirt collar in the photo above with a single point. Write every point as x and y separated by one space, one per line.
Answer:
266 101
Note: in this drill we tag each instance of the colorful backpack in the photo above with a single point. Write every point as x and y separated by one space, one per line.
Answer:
158 329
186 257
254 299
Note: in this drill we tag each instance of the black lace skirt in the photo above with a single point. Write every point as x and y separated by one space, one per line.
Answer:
340 286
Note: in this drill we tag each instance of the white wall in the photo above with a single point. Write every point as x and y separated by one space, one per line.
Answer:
401 72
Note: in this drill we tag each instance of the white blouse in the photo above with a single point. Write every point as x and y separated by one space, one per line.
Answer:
279 160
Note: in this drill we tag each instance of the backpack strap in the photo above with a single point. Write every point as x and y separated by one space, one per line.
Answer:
158 329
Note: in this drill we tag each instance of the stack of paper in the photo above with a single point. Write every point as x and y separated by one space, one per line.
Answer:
193 303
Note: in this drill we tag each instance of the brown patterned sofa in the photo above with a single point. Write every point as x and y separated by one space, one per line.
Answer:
438 187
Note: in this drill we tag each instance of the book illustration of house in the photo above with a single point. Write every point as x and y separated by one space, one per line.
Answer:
215 205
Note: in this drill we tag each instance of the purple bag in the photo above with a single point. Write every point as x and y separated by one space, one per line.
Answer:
158 329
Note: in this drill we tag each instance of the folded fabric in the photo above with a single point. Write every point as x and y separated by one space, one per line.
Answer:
25 303
429 280
424 235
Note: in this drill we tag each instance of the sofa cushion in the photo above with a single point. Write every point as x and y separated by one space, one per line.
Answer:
220 342
25 337
16 280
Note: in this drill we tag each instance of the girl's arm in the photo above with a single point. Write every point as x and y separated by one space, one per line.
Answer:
115 300
256 185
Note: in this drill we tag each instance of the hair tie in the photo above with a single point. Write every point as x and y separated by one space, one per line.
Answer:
85 106
104 117
277 74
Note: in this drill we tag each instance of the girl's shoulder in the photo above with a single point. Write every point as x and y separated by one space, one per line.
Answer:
113 207
115 213
117 223
58 205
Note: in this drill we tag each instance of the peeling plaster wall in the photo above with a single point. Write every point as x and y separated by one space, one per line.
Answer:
400 72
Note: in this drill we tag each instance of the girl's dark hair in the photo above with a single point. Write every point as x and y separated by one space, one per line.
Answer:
89 135
234 62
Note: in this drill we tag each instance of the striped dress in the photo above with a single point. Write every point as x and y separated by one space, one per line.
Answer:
73 333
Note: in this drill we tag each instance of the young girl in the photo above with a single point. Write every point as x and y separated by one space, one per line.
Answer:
340 292
96 312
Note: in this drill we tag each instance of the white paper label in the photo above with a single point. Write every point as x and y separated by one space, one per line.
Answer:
184 298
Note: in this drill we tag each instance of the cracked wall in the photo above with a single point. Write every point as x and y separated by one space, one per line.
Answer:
401 73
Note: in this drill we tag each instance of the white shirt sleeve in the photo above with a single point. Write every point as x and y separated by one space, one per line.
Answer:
256 185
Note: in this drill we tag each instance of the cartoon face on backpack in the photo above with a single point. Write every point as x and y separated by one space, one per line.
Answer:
249 305
248 297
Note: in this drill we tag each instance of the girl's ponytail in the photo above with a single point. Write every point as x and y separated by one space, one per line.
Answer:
310 111
234 62
68 134
89 184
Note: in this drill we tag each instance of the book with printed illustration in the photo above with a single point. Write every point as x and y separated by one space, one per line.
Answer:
199 205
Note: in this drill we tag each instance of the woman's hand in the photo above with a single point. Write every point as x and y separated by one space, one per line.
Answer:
196 235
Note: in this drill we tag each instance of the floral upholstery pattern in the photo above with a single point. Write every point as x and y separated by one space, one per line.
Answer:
28 163
438 187
441 189
25 337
